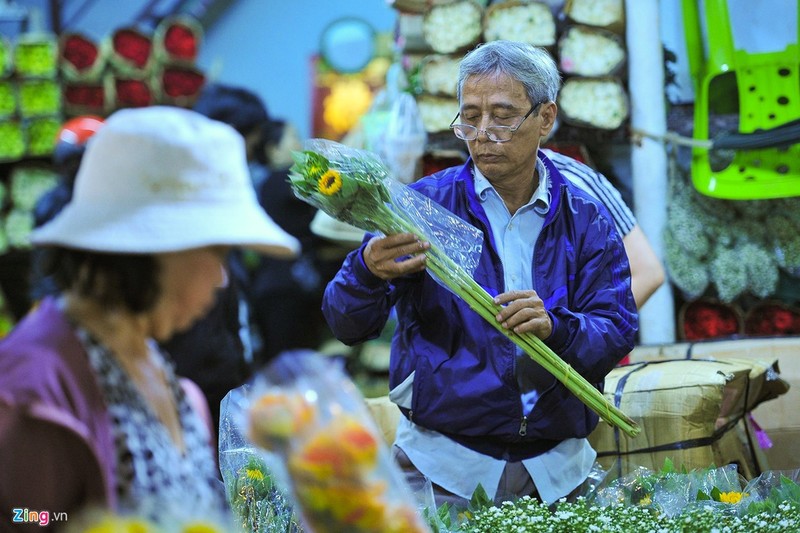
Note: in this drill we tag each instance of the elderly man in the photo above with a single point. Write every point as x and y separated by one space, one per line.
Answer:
478 410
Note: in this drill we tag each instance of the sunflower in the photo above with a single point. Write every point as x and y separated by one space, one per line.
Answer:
330 183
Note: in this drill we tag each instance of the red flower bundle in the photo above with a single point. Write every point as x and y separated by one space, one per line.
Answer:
130 49
83 98
132 93
80 57
772 318
177 40
180 82
704 319
181 42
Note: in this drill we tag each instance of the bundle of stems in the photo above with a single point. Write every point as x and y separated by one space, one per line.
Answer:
350 187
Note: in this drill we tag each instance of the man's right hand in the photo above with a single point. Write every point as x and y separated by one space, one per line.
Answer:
395 255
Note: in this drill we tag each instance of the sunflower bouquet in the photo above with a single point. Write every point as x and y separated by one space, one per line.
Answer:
353 186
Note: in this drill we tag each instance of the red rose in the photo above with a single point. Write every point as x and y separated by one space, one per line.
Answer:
132 46
80 52
85 95
180 42
179 82
133 93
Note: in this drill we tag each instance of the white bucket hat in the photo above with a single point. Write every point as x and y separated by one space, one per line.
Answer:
163 179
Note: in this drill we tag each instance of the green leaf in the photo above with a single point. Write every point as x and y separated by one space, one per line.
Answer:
480 500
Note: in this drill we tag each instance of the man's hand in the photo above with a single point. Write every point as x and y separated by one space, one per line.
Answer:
395 255
523 312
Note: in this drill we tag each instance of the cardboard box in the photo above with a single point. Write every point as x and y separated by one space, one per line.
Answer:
690 411
779 418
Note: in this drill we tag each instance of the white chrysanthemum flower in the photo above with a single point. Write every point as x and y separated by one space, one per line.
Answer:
589 52
439 74
437 112
531 23
451 27
600 103
595 12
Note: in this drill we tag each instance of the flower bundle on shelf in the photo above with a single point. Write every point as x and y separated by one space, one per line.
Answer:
80 58
310 417
37 97
733 248
707 318
179 84
36 56
6 58
595 102
587 51
129 91
770 318
523 21
177 40
129 50
12 140
353 186
608 14
445 36
42 133
86 98
8 98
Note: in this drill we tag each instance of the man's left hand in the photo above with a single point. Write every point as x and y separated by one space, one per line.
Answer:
524 312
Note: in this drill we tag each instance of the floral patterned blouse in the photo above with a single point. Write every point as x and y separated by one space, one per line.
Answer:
154 478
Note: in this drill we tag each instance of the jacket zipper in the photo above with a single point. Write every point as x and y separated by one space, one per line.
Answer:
523 426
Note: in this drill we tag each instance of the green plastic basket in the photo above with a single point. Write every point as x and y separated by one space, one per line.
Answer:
766 87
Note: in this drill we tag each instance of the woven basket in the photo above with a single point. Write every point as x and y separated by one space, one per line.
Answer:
708 318
772 318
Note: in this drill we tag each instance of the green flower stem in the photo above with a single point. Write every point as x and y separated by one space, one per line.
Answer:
463 285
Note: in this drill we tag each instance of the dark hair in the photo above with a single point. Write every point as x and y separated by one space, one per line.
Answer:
236 106
129 281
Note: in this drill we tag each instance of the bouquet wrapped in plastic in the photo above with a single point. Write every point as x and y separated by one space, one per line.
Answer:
353 186
318 436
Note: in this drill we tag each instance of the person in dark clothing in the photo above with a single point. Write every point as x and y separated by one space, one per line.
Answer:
67 154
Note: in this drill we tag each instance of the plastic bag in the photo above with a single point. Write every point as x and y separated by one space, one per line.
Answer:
405 138
308 417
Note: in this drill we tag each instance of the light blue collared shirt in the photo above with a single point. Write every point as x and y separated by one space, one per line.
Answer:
457 468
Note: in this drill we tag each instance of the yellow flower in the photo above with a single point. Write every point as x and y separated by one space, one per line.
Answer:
254 474
731 497
330 183
200 527
646 500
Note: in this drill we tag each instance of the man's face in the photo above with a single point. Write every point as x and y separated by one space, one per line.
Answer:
499 100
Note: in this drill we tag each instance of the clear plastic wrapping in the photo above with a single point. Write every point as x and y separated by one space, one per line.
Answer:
314 431
361 192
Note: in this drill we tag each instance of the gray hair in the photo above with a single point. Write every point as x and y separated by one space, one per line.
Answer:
534 67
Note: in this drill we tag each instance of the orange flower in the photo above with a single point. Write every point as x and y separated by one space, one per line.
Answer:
358 441
275 417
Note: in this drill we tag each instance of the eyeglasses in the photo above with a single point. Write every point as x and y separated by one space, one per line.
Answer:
497 134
